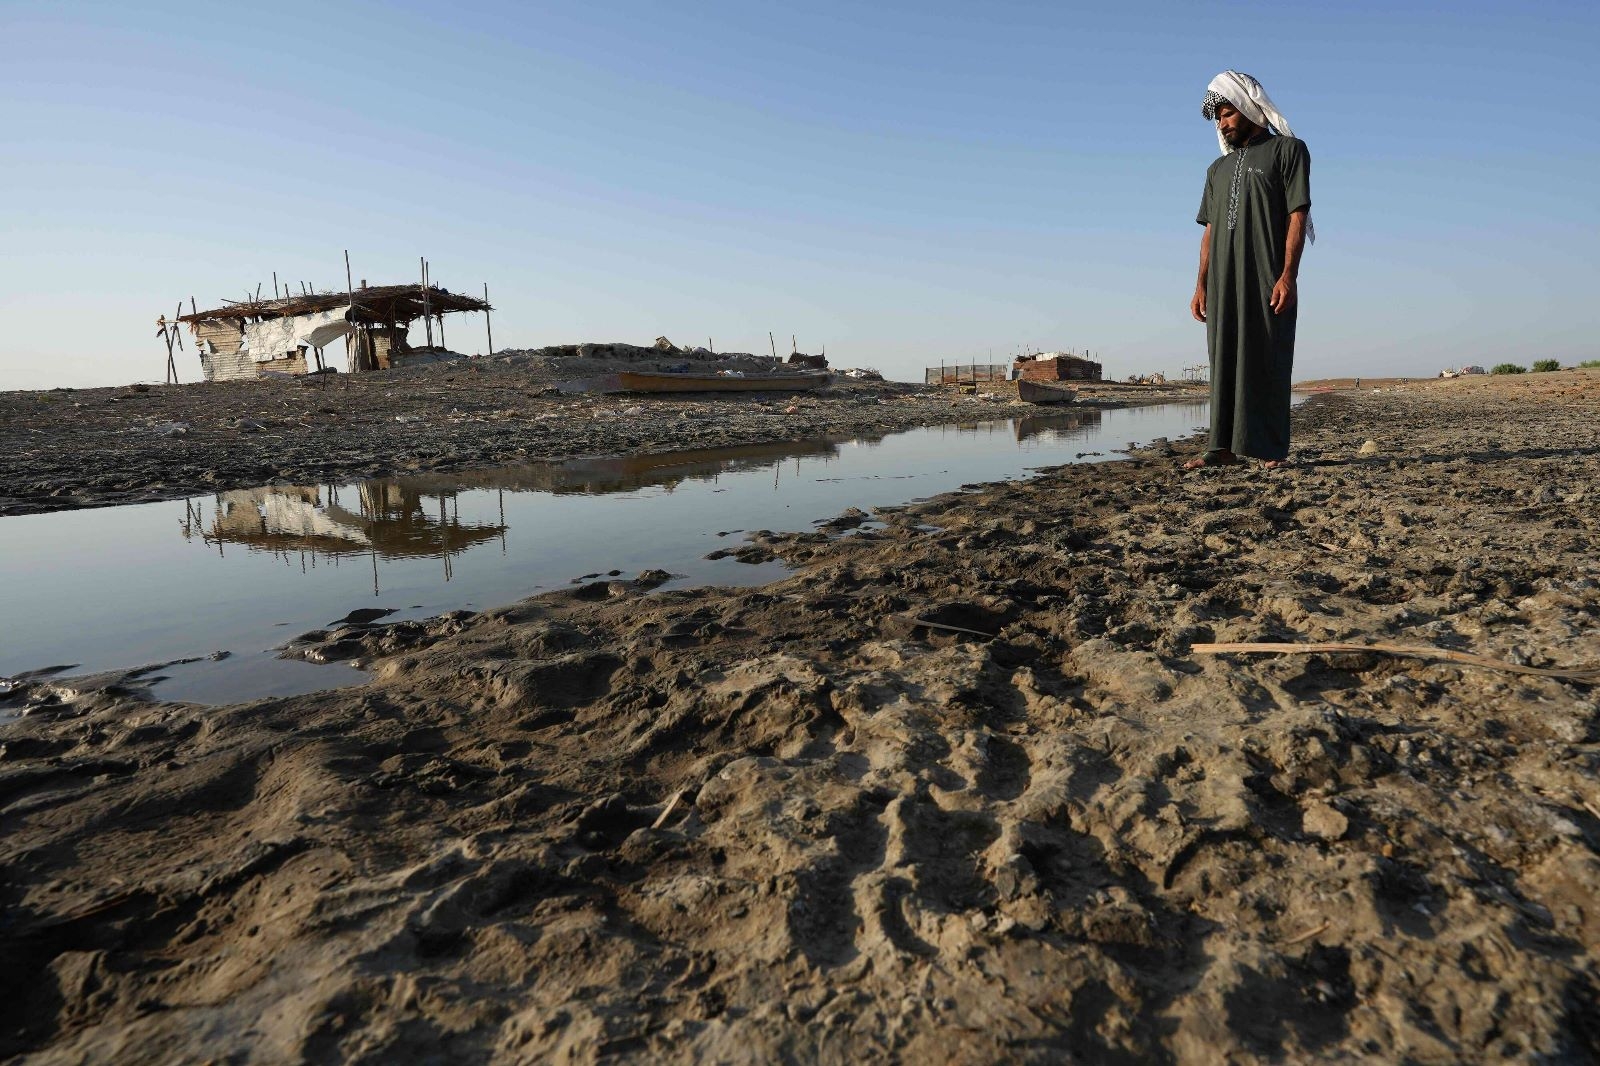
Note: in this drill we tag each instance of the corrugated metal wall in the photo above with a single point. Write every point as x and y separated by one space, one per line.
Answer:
227 362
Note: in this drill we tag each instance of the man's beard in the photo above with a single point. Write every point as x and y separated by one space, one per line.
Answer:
1238 137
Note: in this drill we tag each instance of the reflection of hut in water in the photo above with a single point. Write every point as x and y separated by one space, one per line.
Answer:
283 517
1063 426
392 521
416 516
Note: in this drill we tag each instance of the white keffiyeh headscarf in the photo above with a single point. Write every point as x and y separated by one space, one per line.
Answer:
1247 96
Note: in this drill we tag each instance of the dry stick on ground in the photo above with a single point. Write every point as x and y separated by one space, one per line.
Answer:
1308 934
1417 651
672 805
948 629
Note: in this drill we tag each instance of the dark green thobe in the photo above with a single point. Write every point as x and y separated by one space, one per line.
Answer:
1249 195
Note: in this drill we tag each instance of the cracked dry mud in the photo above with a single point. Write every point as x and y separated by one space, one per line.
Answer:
813 821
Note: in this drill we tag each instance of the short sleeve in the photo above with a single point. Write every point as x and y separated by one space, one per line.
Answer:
1204 215
1296 164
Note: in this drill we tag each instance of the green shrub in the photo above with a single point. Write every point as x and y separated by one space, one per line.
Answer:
1590 363
1541 366
1509 368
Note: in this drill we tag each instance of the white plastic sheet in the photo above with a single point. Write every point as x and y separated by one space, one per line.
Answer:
280 337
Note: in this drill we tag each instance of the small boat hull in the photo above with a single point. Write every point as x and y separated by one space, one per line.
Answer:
1038 392
641 381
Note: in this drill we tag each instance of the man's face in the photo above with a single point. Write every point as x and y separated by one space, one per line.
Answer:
1234 127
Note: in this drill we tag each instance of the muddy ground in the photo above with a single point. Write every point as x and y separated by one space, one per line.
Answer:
959 790
68 448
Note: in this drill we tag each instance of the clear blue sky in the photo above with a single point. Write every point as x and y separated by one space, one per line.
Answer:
905 183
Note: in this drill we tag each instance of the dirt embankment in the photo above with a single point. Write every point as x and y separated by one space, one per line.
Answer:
960 790
63 449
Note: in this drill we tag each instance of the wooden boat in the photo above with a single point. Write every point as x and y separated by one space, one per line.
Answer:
1041 392
642 381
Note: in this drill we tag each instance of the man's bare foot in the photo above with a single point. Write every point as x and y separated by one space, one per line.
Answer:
1276 464
1222 457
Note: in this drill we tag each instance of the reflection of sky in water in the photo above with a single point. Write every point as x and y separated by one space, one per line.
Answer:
244 571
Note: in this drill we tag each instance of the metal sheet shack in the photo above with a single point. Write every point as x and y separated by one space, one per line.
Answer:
1057 366
288 334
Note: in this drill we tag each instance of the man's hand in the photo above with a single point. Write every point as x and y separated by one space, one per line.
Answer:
1283 295
1197 306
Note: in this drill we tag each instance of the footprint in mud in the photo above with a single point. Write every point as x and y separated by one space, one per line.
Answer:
996 766
1006 770
1293 1005
823 920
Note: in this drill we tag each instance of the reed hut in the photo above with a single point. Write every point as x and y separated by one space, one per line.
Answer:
287 334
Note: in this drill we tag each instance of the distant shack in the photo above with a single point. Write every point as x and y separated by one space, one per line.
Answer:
287 334
1057 366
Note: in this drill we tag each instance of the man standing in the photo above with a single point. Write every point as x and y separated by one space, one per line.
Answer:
1256 210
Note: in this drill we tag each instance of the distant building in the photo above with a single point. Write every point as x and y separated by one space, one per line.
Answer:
1057 366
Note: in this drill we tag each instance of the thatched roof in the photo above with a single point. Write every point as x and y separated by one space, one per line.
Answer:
375 304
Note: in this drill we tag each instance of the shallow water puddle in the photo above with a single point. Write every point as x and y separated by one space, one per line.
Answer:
244 571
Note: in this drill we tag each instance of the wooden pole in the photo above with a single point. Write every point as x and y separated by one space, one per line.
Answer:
172 335
351 351
274 284
773 343
166 337
487 325
427 320
428 269
175 330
